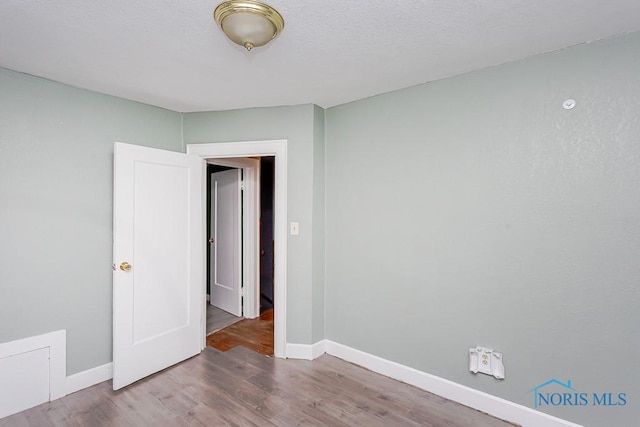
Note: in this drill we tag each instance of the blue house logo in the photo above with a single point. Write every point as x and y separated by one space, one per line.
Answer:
557 393
541 398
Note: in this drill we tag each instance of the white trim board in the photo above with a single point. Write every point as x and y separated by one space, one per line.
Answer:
90 377
306 351
467 396
50 351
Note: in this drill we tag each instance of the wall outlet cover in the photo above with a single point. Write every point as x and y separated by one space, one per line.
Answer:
486 361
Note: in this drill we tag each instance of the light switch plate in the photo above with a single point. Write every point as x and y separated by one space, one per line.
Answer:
294 228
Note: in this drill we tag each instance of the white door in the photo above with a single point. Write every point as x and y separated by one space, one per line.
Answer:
158 255
226 243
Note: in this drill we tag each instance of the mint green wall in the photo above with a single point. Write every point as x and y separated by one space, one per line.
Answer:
296 125
468 211
318 244
477 211
56 175
56 161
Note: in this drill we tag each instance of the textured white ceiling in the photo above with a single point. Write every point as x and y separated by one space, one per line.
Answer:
171 54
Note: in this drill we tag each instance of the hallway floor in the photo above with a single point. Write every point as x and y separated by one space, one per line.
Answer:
219 319
254 334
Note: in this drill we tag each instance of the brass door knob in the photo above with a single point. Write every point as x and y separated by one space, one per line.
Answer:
125 266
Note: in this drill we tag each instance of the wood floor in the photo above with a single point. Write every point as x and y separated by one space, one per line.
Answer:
242 388
254 334
219 319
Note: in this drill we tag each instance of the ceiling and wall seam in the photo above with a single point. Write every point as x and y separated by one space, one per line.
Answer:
175 56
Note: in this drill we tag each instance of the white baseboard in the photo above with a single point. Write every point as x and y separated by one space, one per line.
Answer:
60 385
90 377
476 399
33 371
306 351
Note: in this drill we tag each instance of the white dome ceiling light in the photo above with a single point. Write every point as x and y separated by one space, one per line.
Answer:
249 23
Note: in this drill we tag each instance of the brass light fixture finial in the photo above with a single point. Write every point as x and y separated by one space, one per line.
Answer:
249 23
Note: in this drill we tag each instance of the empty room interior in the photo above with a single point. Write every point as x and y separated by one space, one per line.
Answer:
452 212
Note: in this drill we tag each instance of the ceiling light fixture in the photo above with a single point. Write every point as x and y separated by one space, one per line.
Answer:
249 23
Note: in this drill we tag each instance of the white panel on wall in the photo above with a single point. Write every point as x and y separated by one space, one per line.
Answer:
32 371
25 381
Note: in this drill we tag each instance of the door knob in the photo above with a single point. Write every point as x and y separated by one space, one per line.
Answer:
125 266
211 240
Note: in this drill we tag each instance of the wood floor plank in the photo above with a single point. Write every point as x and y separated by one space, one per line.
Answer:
218 319
436 409
222 381
38 418
243 388
322 401
300 389
255 334
383 395
16 420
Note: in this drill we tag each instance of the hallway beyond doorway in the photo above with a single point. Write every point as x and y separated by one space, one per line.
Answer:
218 319
254 334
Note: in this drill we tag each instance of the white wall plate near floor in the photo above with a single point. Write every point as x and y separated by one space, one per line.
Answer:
486 361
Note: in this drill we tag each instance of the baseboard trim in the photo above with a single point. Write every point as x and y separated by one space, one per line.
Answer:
476 399
498 407
90 377
305 351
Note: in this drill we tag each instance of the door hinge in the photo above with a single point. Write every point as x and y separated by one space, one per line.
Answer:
242 185
242 292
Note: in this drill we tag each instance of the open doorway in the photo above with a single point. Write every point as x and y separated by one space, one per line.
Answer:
244 155
224 259
267 175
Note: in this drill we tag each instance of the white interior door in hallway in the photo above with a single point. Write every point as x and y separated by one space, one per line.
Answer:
226 241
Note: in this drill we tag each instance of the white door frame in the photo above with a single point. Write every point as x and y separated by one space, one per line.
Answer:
277 148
